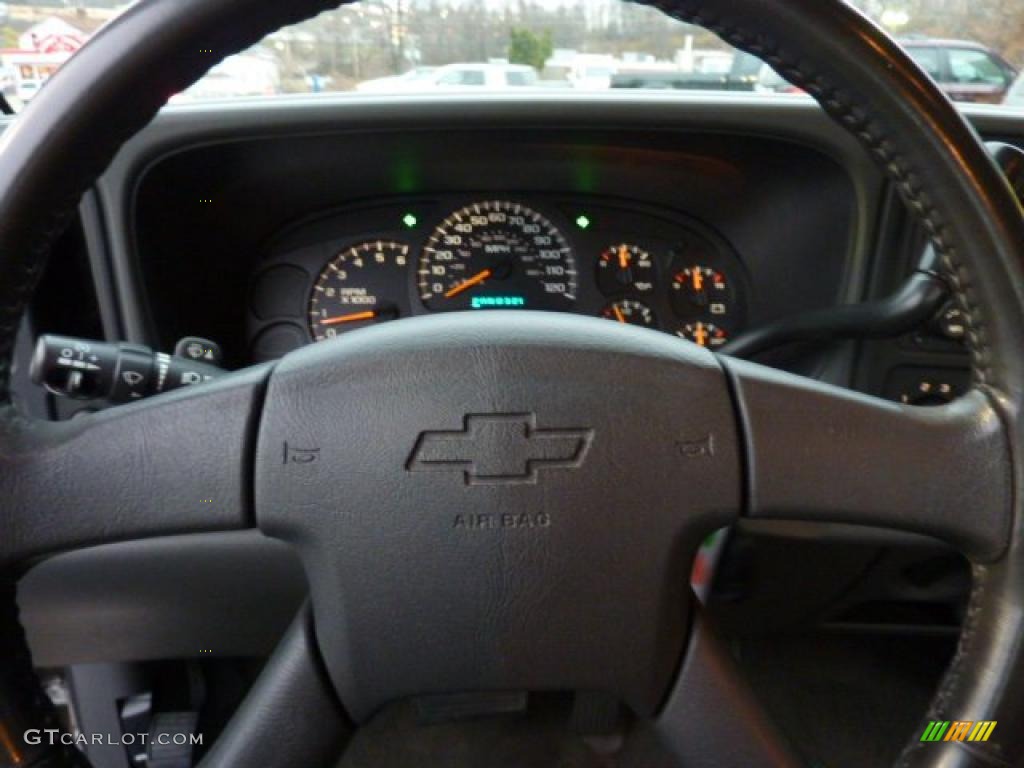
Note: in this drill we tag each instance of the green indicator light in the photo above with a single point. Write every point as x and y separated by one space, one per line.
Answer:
582 221
410 220
491 302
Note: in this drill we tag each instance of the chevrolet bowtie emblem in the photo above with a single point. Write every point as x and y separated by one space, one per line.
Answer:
499 448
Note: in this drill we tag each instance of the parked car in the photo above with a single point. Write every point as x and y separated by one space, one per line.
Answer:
1015 96
965 70
770 81
407 81
26 89
8 81
242 75
592 73
742 75
457 76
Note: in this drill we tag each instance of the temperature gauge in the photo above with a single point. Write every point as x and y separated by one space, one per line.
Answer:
703 334
631 312
698 290
623 268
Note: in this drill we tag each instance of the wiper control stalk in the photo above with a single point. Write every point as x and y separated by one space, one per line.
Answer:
119 373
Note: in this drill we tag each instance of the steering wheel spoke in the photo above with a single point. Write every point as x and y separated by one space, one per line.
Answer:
820 453
178 463
292 715
690 725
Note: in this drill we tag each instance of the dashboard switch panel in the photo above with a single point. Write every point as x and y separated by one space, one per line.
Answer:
914 385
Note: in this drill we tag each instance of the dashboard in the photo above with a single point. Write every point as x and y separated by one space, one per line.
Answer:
398 258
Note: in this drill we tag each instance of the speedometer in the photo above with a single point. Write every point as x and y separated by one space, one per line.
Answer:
494 255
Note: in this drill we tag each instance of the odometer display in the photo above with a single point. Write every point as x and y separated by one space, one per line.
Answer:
493 255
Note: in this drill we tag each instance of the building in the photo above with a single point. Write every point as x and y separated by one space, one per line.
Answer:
41 50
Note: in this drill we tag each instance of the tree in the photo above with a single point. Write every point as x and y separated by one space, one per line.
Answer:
526 47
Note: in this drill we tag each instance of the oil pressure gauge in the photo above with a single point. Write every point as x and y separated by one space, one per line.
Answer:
630 312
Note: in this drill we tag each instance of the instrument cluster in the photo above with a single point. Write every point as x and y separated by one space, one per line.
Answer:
636 265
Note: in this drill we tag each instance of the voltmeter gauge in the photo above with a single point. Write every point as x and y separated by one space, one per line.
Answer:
698 290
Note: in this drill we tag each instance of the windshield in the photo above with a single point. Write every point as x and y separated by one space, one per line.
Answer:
972 49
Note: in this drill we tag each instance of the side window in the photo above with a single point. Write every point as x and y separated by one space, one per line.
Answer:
520 78
464 77
975 67
929 59
1016 95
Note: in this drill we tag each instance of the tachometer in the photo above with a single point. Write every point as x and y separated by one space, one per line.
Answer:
496 254
362 285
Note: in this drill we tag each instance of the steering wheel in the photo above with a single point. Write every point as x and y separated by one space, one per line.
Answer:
471 514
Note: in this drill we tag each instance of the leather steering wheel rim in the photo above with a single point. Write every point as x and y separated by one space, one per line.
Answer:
69 133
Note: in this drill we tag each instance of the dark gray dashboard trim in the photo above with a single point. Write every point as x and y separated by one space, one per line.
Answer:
163 598
98 251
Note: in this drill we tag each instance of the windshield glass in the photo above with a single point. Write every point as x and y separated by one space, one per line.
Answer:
972 49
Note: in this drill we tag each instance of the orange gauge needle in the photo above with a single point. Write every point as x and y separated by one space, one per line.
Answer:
623 257
700 335
355 317
618 313
698 280
465 285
